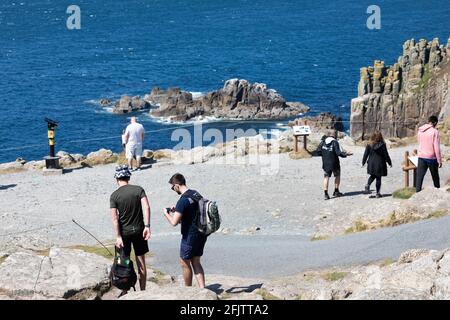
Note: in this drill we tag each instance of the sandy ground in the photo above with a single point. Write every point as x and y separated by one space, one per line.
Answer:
37 210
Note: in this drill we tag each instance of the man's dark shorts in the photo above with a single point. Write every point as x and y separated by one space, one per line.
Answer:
192 246
140 245
336 172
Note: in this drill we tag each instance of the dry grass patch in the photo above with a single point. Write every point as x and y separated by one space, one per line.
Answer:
438 214
96 250
318 237
404 193
301 154
3 258
97 162
357 226
444 131
394 219
266 295
334 276
386 262
159 278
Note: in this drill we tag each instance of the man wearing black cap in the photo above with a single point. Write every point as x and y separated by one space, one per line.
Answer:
129 205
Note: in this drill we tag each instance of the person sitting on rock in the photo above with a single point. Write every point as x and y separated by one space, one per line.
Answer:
429 153
376 156
129 205
192 241
330 150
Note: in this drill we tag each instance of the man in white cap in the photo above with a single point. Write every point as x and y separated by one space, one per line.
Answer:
134 139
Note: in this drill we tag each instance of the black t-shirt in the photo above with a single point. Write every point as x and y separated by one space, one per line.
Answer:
127 200
188 209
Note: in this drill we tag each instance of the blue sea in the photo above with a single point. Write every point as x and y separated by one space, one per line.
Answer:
309 51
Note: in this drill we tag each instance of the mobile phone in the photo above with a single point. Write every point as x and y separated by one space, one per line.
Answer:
168 210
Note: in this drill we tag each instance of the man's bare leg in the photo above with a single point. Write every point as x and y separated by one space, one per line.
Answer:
142 270
198 271
187 272
325 183
337 182
138 161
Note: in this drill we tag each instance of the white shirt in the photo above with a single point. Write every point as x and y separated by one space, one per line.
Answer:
135 131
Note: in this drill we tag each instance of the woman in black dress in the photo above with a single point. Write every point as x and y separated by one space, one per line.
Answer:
376 156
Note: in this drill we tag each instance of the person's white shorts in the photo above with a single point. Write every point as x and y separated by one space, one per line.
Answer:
133 150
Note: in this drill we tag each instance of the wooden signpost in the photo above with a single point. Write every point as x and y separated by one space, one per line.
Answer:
301 131
410 164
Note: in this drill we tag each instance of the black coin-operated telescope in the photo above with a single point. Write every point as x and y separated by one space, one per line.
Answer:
51 161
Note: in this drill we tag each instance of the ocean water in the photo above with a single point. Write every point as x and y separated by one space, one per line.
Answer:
309 51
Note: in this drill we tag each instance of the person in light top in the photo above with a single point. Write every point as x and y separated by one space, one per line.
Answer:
429 153
134 140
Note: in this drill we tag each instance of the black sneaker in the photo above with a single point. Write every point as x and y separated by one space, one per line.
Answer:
326 196
367 190
378 195
337 194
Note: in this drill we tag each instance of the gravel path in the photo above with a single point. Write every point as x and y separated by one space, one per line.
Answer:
284 206
265 257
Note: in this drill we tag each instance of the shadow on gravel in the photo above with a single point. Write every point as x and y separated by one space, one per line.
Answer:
70 170
354 193
370 195
217 288
8 186
383 196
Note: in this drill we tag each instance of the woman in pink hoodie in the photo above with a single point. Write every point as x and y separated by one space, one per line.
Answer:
429 153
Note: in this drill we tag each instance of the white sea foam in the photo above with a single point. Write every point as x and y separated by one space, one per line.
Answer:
93 101
197 95
195 120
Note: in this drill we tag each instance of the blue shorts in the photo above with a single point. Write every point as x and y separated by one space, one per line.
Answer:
192 246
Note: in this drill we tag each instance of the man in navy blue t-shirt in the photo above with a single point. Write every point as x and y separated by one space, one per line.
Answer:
192 241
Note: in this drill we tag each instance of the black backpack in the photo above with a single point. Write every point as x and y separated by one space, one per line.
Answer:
122 273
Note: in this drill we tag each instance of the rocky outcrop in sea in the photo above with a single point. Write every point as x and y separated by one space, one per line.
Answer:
128 104
238 99
397 99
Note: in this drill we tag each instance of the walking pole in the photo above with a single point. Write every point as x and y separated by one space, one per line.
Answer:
73 220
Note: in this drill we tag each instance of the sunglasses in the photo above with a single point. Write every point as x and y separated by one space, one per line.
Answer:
173 188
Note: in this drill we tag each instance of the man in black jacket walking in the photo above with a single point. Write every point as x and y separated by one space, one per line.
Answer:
330 150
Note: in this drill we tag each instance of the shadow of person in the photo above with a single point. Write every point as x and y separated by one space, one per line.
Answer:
218 289
8 186
247 289
354 193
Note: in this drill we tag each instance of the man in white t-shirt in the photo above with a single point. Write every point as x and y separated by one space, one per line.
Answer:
134 138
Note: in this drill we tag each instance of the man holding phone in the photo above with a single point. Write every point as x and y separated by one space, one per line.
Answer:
192 241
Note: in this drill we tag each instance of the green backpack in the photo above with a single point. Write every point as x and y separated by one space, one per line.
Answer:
208 218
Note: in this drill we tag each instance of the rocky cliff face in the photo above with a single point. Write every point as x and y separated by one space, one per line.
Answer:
397 99
238 99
